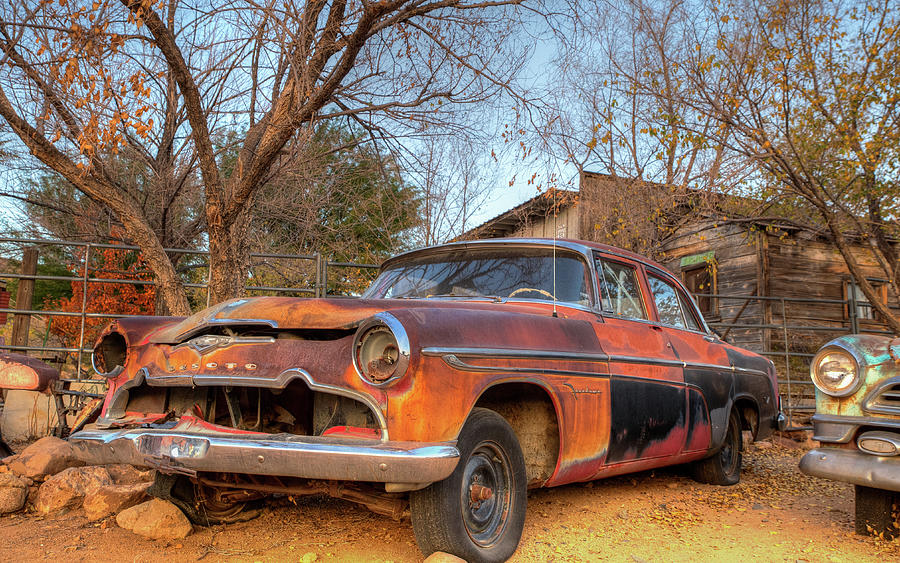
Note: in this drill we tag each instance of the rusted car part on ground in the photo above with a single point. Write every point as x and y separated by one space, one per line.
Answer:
21 372
857 421
465 374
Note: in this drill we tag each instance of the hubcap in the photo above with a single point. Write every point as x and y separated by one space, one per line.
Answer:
486 493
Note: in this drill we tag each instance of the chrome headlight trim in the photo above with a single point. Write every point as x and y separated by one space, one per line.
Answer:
383 321
98 350
815 371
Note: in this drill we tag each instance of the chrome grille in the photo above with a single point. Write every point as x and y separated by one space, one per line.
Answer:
885 400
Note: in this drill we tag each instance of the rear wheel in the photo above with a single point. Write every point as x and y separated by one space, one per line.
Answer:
723 468
876 513
478 512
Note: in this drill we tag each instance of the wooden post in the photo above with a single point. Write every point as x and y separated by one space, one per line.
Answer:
762 287
22 322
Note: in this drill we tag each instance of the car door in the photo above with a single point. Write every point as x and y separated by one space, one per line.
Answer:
707 370
647 401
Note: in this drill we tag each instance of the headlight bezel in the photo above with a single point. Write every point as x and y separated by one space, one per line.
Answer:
372 332
816 376
104 347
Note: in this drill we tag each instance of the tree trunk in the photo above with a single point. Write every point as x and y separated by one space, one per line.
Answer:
859 276
229 260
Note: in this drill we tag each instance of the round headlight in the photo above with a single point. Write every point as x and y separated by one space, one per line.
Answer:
108 357
835 372
381 350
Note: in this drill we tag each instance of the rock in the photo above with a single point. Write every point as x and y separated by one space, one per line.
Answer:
441 557
156 519
309 557
123 474
13 492
32 495
68 488
47 456
110 499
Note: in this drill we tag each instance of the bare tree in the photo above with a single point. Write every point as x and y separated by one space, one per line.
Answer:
808 93
82 82
616 106
455 175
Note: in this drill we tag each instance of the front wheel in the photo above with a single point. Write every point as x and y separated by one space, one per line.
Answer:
723 468
478 512
198 502
875 512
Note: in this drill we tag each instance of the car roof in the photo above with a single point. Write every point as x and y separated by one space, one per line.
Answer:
581 246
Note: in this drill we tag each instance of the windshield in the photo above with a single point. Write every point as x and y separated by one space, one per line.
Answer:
520 273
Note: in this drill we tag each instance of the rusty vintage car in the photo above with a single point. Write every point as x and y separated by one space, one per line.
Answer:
465 374
857 423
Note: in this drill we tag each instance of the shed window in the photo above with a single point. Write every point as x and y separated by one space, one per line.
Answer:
701 281
864 309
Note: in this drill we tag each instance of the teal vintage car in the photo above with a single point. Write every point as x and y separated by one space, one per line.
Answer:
857 422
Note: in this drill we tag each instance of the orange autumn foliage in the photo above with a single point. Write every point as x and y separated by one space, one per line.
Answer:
105 298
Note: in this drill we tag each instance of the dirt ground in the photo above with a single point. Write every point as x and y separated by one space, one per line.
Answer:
774 514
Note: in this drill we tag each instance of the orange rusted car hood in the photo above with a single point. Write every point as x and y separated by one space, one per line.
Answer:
303 313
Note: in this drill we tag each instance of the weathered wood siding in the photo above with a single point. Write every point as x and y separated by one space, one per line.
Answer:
803 267
736 262
796 266
565 223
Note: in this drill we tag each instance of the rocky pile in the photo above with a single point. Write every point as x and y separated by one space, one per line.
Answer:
48 478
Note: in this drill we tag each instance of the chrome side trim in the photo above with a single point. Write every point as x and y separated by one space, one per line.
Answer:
514 354
749 371
853 466
649 361
509 353
311 457
454 362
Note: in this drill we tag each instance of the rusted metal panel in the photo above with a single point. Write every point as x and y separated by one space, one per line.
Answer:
18 371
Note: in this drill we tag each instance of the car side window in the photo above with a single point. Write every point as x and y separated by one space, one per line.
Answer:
670 304
620 293
667 304
689 309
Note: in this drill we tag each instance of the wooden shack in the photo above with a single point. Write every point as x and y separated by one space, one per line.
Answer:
768 285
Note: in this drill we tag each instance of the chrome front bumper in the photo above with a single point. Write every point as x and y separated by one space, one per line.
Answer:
852 466
311 457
